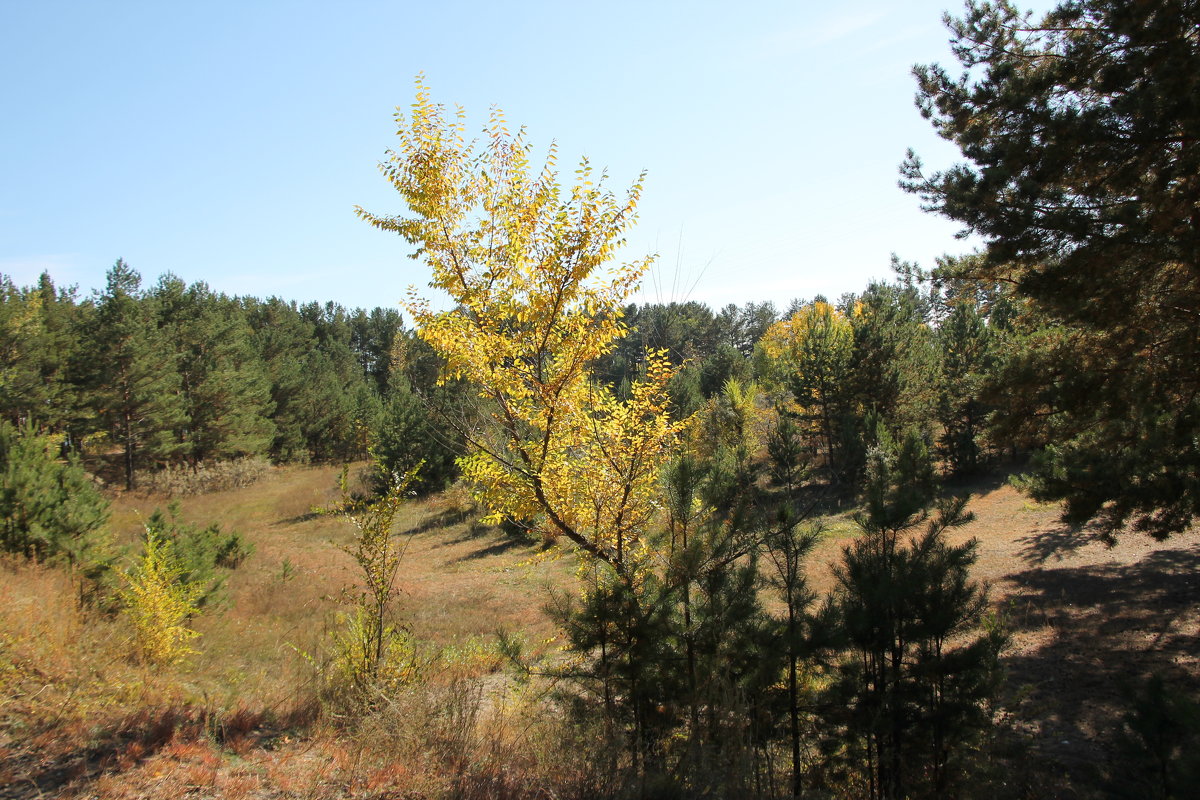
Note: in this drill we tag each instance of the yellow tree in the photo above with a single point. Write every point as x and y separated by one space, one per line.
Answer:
810 353
525 262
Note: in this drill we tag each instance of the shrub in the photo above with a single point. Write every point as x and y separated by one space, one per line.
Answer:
367 662
49 508
159 602
203 554
183 480
370 655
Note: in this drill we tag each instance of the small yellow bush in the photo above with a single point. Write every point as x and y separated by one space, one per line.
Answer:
358 667
159 603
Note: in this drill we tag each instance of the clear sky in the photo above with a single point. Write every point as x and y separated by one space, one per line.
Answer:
229 141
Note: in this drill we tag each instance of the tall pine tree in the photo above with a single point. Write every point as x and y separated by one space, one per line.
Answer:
1081 134
135 384
226 395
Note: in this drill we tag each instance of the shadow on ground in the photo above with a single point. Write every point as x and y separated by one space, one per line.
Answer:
1057 543
61 765
497 549
436 522
1083 635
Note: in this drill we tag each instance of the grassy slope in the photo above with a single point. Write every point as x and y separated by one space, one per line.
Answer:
457 580
1085 618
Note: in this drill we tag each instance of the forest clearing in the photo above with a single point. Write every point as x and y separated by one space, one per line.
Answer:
79 720
530 536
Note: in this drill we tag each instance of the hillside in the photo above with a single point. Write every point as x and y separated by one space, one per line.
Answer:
80 719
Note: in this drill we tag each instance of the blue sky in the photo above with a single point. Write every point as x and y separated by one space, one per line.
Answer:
229 142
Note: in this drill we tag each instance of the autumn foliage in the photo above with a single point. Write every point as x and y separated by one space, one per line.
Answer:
522 259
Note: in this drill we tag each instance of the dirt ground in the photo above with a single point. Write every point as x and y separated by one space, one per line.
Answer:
1087 621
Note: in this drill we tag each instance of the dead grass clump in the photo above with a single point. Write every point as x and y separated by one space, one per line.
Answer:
216 476
456 727
470 739
458 500
154 750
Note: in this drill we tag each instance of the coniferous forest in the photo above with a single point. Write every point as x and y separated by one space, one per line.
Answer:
935 538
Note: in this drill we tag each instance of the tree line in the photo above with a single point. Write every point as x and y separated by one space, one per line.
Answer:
178 374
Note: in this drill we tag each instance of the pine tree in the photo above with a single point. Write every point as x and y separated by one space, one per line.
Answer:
37 340
787 550
203 555
810 355
134 378
894 364
49 508
19 335
787 452
920 671
1081 136
373 337
340 402
968 353
407 440
284 342
225 392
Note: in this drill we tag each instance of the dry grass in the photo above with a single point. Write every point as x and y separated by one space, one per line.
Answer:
459 581
58 663
69 680
80 718
183 480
